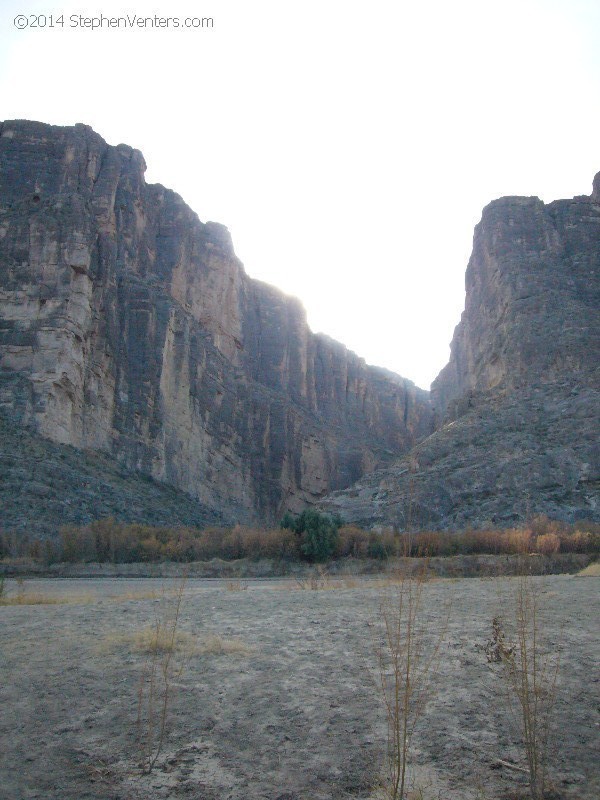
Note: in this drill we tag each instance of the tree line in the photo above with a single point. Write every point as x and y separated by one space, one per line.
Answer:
309 536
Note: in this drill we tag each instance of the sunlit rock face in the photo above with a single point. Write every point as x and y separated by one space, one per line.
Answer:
518 405
130 327
532 304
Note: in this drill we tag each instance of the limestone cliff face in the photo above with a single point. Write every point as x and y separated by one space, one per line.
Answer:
518 405
532 312
130 327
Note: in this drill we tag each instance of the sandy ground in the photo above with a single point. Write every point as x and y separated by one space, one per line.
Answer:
293 711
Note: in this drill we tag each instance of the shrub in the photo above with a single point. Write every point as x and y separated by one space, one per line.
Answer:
520 541
352 541
377 548
547 544
578 542
541 524
319 540
428 544
318 532
77 544
288 522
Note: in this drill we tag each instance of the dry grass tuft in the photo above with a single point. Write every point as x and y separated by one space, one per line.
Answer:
23 599
236 586
350 583
151 641
38 599
318 580
216 645
151 594
157 641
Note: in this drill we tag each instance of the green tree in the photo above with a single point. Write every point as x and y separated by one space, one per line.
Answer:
318 532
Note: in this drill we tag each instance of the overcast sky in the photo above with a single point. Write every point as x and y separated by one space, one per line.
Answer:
349 147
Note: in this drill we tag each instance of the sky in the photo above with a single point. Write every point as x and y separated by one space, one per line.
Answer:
349 147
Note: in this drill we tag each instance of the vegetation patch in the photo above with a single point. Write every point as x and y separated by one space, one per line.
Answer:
215 645
151 640
310 537
34 600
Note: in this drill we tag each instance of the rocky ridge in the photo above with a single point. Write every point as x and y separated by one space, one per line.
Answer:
518 405
144 375
129 328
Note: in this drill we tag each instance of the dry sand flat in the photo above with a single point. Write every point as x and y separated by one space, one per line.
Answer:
290 711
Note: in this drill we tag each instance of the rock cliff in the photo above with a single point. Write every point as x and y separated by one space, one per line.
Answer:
518 405
532 306
128 326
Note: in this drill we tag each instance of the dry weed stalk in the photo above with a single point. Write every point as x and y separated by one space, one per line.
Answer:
154 693
531 675
319 579
408 662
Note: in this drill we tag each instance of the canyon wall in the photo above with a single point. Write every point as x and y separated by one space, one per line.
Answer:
518 405
127 326
532 306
